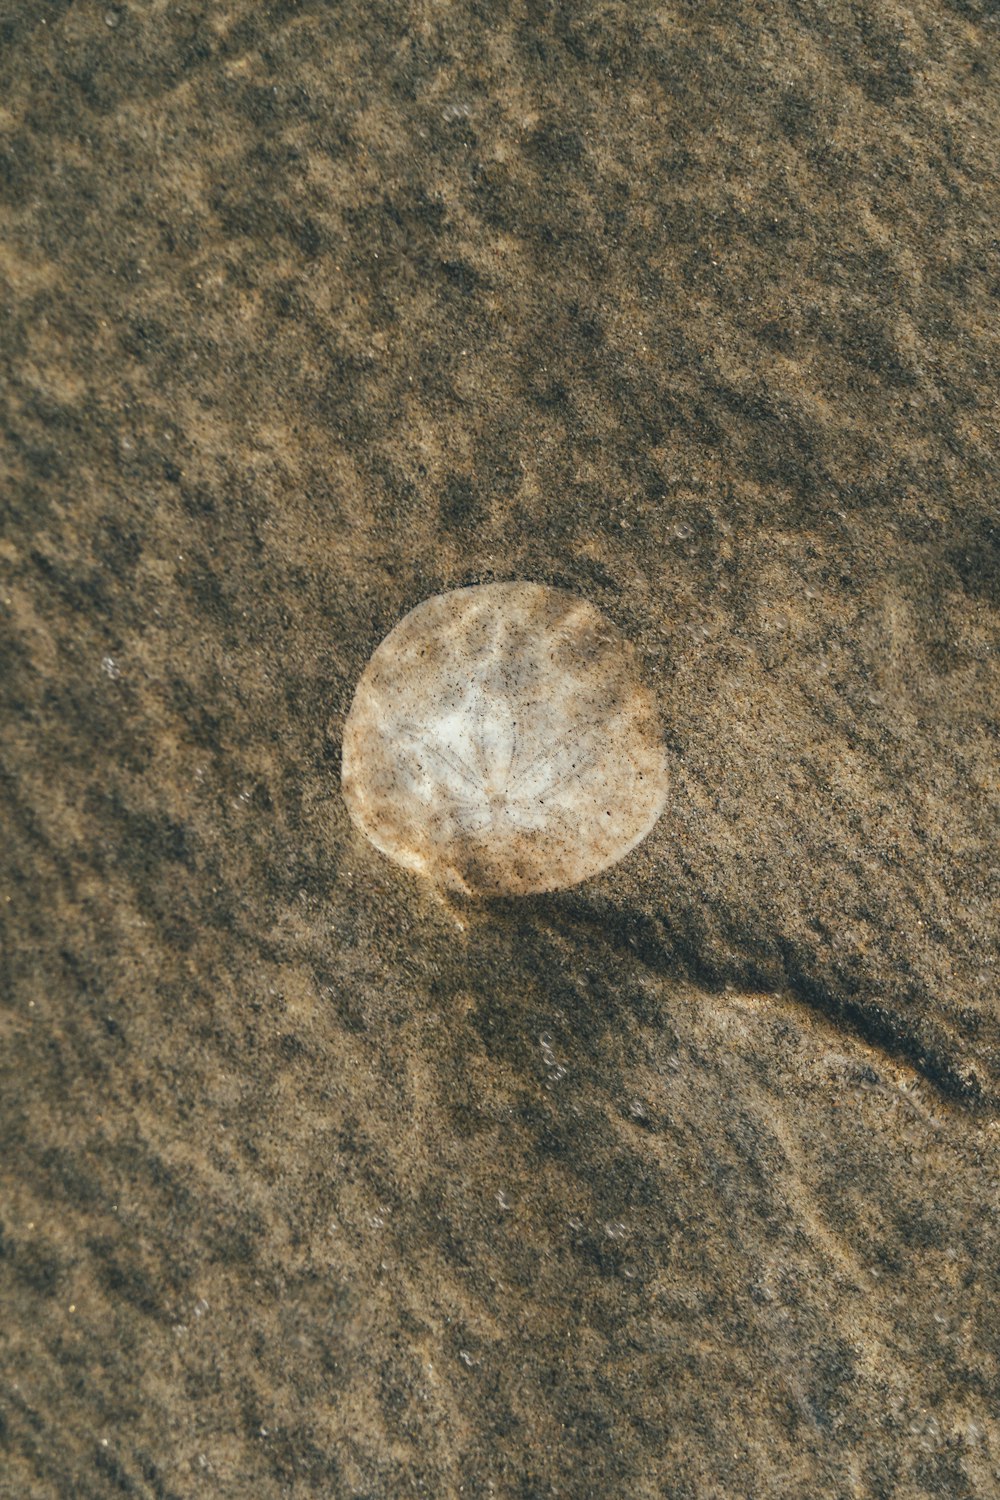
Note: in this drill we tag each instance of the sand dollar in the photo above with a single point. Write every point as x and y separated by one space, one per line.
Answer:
501 740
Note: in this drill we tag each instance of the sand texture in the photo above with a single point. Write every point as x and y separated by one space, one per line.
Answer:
678 1185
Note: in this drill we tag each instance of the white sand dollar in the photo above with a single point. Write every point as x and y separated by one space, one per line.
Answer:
500 740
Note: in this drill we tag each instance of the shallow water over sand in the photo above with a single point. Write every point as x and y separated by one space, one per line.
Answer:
679 1184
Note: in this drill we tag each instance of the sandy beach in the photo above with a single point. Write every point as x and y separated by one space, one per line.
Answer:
315 1179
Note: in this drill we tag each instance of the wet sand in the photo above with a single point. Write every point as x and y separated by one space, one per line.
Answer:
680 1185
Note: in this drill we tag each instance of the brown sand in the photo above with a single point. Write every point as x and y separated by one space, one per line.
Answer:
681 1185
